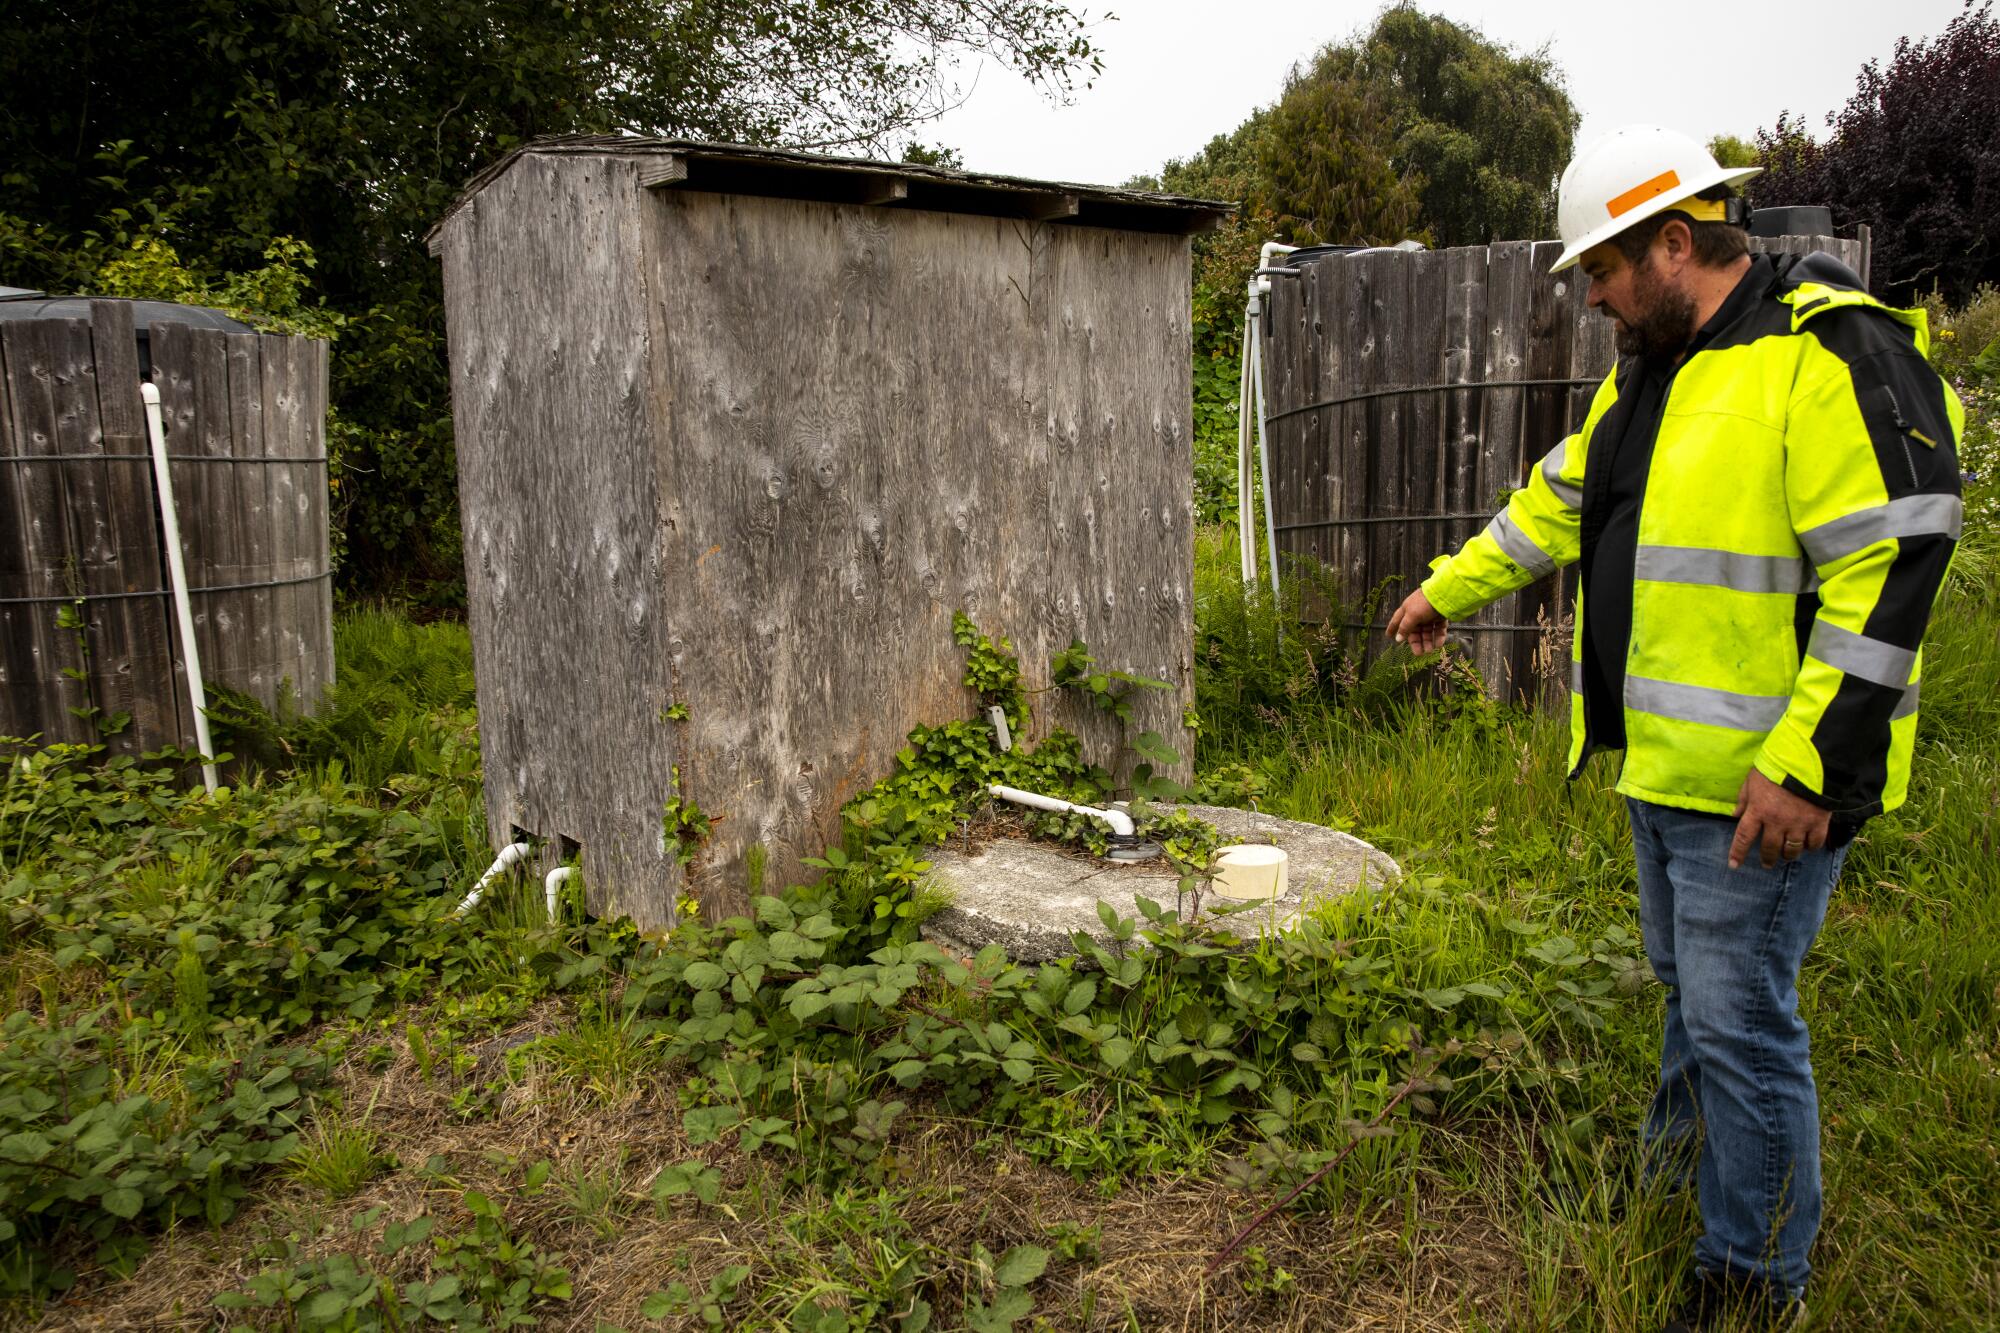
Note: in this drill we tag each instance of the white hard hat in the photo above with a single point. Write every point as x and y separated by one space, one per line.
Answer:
1626 177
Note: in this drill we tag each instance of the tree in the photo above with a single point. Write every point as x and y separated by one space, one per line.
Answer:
1915 154
347 126
1322 168
1730 151
1482 132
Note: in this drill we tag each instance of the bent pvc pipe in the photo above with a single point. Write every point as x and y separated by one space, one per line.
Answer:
552 882
510 855
1120 822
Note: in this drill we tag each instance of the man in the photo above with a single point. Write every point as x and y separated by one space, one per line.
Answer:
1764 498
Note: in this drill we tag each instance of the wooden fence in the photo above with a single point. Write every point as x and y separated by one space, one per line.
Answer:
1408 391
87 626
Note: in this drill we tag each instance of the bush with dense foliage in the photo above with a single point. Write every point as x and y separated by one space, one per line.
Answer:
1915 154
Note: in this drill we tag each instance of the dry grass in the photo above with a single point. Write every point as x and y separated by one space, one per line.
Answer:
1437 1261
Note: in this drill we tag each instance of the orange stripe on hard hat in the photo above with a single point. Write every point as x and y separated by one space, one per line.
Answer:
1640 193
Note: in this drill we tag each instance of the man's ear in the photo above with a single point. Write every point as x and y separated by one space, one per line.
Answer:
1675 244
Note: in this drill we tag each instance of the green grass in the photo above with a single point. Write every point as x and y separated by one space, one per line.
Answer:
1902 990
1520 883
337 1157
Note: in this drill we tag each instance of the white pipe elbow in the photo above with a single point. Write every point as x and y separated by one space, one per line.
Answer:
554 881
510 856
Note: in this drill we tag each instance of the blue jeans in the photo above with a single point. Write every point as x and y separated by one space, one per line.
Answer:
1734 1060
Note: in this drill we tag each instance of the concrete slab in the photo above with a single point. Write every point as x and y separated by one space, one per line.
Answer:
1029 897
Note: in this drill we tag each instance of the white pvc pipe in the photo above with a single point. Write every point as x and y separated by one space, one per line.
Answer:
1120 822
1265 255
163 484
552 882
1264 465
510 855
1246 531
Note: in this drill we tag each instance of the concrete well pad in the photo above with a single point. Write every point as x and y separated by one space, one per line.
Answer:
1029 897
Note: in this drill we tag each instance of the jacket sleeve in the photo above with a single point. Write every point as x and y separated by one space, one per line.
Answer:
1872 482
1538 532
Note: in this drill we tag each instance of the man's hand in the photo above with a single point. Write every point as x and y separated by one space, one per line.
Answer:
1785 825
1418 624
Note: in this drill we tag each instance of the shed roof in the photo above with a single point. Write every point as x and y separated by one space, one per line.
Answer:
784 174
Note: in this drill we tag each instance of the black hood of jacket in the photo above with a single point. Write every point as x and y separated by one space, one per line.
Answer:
1820 267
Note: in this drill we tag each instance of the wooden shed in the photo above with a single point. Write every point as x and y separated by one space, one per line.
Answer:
1410 391
738 431
90 649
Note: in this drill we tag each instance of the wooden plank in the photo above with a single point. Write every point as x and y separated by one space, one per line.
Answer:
1510 279
48 657
1288 326
143 685
1350 429
1464 362
1424 363
20 678
213 528
1551 330
1315 479
1319 461
99 633
1389 414
172 349
319 593
282 416
257 672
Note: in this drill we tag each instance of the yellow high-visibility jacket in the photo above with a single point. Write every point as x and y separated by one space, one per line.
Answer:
1799 512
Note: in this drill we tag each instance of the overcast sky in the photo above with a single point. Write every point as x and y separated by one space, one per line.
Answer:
1177 72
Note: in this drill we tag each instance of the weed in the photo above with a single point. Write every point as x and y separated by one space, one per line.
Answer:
338 1157
595 1193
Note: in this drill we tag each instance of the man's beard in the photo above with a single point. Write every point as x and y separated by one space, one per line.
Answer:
1664 325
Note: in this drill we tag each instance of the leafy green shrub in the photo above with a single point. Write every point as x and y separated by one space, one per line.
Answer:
83 1159
481 1277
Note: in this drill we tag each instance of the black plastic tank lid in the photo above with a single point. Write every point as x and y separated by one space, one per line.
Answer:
145 314
1792 220
34 305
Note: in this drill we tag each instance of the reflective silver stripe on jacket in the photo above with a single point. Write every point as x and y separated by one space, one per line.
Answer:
1724 569
1575 677
1908 704
1859 655
1911 516
1696 703
1519 548
1552 466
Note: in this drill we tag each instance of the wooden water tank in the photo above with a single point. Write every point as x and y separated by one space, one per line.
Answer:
739 430
1409 391
87 626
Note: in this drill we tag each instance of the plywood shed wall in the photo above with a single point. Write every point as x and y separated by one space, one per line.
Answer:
739 431
1407 392
87 624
